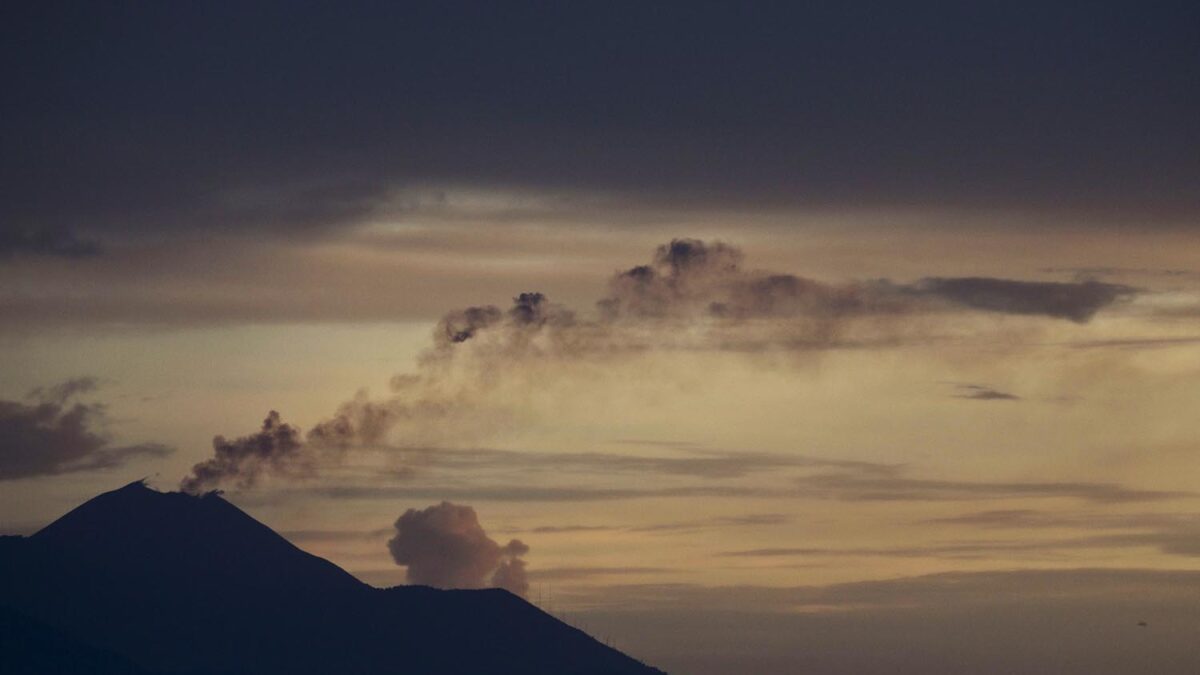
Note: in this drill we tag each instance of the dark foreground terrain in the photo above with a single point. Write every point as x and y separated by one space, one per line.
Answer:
139 581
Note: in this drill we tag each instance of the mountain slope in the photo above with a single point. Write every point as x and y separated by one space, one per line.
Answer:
185 584
28 647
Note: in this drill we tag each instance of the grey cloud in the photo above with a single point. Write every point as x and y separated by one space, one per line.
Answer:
582 573
977 392
688 277
446 547
895 487
54 433
510 574
518 493
1077 302
716 522
461 325
1136 343
1087 273
1171 533
747 520
46 242
568 529
59 393
714 464
979 550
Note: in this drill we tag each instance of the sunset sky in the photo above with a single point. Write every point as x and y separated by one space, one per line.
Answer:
858 325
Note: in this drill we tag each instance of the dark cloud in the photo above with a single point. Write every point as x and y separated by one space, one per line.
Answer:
55 433
1077 302
689 278
1136 343
309 118
877 486
461 325
714 464
56 243
1187 544
445 546
582 573
510 574
514 492
59 393
978 392
1171 533
747 520
275 449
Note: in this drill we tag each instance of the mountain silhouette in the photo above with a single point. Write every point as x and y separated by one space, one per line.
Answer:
141 581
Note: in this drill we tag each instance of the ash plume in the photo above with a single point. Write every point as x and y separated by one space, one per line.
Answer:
691 295
276 448
445 546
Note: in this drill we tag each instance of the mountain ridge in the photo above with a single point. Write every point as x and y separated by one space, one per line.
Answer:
177 583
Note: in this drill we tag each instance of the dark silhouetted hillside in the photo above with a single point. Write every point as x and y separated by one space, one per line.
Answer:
174 583
29 647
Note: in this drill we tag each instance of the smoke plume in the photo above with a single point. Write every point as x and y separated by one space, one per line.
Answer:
691 295
276 449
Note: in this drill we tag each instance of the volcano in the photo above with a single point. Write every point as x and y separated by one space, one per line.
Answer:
141 581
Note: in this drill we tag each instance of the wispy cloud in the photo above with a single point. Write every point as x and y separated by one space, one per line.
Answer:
54 432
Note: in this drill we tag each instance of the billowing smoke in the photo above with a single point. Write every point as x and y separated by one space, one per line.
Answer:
691 295
445 546
54 432
274 449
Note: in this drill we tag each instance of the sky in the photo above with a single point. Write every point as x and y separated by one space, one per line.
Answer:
841 338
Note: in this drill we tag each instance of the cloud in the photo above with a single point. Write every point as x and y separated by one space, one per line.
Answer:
45 242
521 492
1077 302
715 522
55 434
1171 533
891 486
445 546
978 392
580 573
700 463
1185 543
